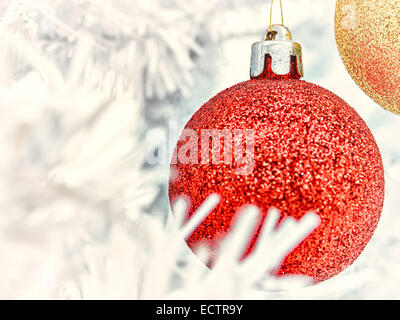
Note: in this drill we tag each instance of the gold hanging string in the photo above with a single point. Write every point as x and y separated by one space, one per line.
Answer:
271 12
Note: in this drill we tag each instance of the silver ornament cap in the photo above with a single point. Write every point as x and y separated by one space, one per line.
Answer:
278 44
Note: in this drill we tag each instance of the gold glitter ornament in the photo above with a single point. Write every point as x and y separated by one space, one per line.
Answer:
368 38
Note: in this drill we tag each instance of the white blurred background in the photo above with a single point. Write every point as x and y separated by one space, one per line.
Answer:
88 87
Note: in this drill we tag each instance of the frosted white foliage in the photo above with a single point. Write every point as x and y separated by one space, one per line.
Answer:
147 46
145 269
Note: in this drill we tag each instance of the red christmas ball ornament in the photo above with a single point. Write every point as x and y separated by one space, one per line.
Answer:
312 152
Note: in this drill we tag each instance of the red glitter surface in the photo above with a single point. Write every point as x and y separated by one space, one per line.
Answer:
312 153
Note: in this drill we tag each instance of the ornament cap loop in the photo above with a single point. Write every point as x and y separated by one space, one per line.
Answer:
278 45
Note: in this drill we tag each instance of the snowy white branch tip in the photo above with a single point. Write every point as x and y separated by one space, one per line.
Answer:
273 245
